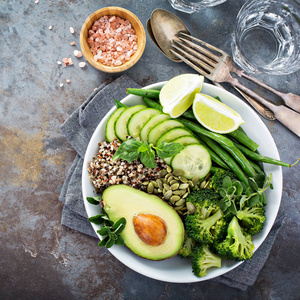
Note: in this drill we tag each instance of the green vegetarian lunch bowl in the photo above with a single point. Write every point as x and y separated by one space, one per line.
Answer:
177 269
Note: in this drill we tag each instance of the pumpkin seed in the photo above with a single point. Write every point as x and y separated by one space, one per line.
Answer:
155 184
202 184
183 186
150 188
163 173
170 179
174 198
159 190
178 207
207 183
160 183
191 184
145 182
182 192
168 195
191 208
173 181
155 191
195 180
178 172
177 192
180 202
182 179
169 169
185 195
166 187
174 186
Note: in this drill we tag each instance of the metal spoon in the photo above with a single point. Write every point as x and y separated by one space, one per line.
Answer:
163 28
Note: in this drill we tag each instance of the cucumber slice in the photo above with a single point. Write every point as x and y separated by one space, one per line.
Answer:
138 120
151 123
110 125
186 140
121 122
194 160
173 134
157 131
183 140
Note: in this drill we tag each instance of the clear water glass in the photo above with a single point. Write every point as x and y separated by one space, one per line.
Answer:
267 37
192 6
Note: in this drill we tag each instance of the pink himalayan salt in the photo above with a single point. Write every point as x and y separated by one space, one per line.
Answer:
112 40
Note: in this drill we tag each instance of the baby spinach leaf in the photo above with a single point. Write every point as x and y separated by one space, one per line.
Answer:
94 200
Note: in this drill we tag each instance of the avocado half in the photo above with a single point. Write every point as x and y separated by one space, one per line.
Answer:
153 229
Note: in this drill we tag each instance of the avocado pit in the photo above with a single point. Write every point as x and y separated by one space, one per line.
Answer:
151 229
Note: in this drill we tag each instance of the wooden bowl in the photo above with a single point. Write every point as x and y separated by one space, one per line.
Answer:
125 14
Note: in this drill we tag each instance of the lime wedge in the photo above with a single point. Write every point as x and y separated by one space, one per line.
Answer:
178 93
215 115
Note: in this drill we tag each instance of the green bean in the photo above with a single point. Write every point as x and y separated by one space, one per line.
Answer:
225 142
241 137
213 170
143 92
188 114
214 157
119 104
257 157
257 169
226 158
152 103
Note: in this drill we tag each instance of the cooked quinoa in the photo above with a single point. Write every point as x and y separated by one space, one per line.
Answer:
103 171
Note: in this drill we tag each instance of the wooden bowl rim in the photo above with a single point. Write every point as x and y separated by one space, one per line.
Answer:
141 42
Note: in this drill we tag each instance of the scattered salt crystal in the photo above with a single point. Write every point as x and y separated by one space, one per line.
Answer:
72 30
82 64
50 27
36 1
77 53
70 62
59 62
72 44
61 85
68 81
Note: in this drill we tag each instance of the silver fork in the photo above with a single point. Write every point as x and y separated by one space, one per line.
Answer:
214 67
289 99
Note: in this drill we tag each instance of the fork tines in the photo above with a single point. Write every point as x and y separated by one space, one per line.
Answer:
219 54
194 55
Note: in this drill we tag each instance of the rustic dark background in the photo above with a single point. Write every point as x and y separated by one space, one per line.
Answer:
40 258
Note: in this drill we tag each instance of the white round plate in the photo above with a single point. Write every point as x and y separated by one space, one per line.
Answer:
177 269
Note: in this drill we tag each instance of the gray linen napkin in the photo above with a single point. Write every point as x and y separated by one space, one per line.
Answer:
78 129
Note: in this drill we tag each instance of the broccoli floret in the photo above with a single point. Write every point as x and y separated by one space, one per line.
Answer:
218 178
205 202
207 230
237 244
202 259
207 224
252 219
187 248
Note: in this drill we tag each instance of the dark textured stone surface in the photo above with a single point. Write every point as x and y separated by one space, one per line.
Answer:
39 258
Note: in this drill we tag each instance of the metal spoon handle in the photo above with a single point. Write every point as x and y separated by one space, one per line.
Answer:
290 99
283 114
262 110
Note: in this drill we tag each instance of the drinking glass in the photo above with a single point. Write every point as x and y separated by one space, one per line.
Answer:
191 6
267 37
